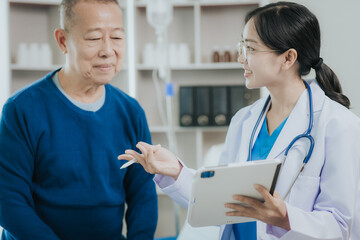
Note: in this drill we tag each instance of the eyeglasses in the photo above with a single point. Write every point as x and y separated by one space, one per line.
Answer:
244 50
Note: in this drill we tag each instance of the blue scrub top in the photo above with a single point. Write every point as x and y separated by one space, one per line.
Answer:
260 151
264 142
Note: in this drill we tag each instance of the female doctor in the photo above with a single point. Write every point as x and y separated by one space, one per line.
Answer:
317 192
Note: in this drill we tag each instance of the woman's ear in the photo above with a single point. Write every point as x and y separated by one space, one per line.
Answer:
60 36
290 57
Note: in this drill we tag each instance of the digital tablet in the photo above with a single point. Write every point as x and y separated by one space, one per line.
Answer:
214 186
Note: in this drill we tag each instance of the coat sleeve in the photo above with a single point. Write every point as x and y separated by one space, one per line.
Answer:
334 208
17 214
179 190
141 198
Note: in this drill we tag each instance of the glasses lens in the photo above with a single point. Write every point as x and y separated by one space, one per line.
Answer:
239 48
242 49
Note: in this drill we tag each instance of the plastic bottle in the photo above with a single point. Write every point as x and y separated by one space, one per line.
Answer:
184 54
34 56
45 55
149 54
227 54
216 54
236 56
22 54
173 52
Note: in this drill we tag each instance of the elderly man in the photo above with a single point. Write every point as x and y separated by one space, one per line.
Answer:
59 139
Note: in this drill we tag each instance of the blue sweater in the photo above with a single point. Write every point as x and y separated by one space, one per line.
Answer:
59 173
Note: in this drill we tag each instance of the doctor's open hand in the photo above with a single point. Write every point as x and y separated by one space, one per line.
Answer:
272 211
154 159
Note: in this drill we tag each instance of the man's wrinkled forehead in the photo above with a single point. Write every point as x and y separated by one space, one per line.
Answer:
70 13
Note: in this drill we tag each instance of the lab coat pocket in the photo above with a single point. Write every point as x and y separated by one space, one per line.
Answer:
304 192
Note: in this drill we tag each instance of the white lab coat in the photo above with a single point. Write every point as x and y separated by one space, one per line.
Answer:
324 199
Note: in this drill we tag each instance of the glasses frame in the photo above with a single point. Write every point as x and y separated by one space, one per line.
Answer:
242 51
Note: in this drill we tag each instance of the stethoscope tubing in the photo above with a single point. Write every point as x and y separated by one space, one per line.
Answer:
298 137
307 133
256 126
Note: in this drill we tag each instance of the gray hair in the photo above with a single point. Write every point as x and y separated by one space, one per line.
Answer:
67 14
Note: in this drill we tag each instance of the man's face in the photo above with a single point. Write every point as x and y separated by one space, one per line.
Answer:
96 41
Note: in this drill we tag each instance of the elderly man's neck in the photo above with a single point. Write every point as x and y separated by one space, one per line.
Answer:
80 87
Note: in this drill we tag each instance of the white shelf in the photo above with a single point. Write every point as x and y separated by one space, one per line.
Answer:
202 66
175 3
191 3
48 2
37 2
16 67
143 2
228 2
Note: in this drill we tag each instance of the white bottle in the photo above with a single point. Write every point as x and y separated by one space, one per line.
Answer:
173 54
34 55
149 55
184 54
22 55
45 55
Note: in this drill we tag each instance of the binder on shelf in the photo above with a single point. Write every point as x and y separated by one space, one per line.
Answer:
219 98
187 103
202 106
239 98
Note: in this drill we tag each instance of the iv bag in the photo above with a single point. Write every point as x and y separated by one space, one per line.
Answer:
159 14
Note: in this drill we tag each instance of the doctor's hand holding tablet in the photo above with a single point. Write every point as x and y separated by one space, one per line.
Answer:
306 124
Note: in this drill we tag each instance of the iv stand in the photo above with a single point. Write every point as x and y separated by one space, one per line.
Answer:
156 19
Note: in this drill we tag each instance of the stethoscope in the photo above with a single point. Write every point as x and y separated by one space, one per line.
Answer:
305 135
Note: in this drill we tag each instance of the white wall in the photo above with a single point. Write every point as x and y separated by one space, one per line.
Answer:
340 49
4 56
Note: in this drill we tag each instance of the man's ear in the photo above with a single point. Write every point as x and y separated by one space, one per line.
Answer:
290 57
61 37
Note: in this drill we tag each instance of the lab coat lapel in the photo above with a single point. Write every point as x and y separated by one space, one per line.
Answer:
298 120
296 124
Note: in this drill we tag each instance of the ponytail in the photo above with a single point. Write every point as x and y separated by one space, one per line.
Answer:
285 25
329 83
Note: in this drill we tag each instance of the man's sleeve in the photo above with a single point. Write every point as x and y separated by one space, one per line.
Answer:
141 198
17 214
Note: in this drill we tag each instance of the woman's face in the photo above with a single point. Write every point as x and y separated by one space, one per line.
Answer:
263 65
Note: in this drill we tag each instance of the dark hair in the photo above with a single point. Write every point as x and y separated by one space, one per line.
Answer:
285 25
67 14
